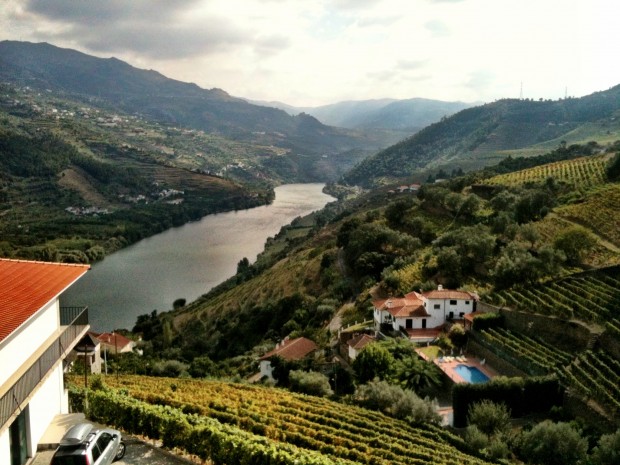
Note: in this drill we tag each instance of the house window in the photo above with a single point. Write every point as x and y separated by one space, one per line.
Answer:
453 302
409 323
437 306
467 302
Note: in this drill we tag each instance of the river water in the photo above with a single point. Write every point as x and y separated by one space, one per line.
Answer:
184 262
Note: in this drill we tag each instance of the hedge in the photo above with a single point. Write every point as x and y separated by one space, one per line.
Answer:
521 395
488 320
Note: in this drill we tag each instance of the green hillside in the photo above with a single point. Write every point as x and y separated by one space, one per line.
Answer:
484 135
114 85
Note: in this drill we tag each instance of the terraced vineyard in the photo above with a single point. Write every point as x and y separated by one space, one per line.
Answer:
597 376
581 173
531 355
591 296
338 431
599 212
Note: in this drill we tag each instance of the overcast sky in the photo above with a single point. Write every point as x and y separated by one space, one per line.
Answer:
313 52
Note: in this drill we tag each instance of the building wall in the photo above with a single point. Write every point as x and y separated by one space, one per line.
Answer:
5 450
266 369
49 401
442 313
20 345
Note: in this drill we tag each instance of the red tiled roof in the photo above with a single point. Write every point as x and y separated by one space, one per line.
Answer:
410 305
360 341
292 349
27 286
450 294
114 339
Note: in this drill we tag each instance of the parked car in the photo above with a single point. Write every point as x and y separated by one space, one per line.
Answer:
83 444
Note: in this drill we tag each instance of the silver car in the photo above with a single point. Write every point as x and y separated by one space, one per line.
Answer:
83 444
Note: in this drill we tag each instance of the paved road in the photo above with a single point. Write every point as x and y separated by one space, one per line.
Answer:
137 453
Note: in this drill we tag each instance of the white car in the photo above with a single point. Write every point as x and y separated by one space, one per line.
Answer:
83 444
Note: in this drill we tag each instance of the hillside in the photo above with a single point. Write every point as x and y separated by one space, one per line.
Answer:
115 85
483 135
390 243
77 183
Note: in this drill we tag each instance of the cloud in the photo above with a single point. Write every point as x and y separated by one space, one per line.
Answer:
409 65
108 10
152 28
437 28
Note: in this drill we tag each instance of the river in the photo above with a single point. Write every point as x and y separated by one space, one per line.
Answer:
184 262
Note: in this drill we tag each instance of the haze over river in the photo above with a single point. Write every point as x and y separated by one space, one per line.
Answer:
184 262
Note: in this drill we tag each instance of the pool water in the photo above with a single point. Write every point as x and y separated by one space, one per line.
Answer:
471 374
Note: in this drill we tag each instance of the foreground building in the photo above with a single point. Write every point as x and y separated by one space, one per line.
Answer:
36 337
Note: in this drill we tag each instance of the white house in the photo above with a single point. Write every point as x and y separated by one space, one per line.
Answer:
36 336
423 311
289 349
357 343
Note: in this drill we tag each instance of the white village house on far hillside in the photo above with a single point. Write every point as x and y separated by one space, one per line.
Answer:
36 337
420 315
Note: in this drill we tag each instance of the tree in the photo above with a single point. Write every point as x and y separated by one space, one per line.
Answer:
613 169
489 417
396 402
575 242
309 382
607 452
553 444
373 361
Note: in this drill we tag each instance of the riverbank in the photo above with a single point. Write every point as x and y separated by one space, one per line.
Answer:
187 261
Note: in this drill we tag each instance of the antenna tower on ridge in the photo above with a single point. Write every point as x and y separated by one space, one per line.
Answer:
521 92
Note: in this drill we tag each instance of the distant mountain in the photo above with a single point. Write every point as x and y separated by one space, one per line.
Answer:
408 115
485 134
116 84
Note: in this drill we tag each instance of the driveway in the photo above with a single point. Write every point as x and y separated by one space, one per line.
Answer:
137 453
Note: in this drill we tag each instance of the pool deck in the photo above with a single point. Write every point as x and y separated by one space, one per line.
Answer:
448 366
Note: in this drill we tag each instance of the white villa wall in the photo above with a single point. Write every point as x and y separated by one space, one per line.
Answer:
5 449
266 369
49 401
20 345
445 307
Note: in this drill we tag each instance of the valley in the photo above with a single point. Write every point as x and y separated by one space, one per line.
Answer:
497 226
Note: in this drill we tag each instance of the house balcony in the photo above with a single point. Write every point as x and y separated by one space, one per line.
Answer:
18 390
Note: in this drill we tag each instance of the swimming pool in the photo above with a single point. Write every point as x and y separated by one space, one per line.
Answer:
471 374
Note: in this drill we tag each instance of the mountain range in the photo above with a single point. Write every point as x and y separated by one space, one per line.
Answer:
408 115
486 134
116 85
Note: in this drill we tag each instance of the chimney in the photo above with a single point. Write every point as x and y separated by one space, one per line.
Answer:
440 288
389 304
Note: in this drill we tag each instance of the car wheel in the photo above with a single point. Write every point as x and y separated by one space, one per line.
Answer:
120 453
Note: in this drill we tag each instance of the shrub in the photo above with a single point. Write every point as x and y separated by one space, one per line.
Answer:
396 402
309 382
553 444
607 452
491 418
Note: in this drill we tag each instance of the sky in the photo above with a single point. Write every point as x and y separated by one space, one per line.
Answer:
317 52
